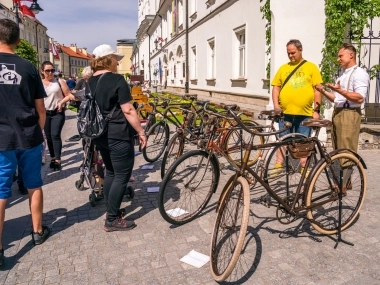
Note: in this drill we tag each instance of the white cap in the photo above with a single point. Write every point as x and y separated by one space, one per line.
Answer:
104 50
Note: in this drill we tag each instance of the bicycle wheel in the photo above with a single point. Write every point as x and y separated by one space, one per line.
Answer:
324 189
172 152
230 229
150 121
276 171
188 186
236 142
157 139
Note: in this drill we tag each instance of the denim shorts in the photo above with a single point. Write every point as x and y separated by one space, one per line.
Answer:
296 121
29 160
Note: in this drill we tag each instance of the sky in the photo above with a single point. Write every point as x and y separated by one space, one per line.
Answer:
89 23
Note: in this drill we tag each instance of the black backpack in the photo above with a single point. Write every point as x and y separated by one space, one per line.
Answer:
91 123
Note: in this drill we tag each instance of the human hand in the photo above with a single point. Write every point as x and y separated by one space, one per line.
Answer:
142 140
335 87
320 88
59 106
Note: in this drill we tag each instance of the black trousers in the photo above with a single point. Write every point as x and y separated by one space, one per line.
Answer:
53 128
118 157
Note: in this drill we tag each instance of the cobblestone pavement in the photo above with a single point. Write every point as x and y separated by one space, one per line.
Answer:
81 252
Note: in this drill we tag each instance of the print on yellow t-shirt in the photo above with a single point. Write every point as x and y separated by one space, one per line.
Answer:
297 96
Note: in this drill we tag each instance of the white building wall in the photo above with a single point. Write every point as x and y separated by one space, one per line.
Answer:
306 25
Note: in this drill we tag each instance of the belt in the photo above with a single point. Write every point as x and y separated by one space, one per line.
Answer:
342 108
54 112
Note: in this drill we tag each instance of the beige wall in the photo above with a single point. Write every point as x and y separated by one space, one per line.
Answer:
125 64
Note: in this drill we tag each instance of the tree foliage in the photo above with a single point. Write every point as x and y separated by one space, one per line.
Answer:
26 51
343 16
265 9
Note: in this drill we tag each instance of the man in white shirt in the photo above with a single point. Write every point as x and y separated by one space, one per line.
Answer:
348 93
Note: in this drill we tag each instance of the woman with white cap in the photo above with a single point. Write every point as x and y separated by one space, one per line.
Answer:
116 146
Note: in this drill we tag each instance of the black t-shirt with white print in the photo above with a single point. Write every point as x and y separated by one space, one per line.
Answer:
112 90
20 85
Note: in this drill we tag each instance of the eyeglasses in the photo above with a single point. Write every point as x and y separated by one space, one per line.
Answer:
49 70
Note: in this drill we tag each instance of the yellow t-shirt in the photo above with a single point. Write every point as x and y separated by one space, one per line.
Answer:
297 96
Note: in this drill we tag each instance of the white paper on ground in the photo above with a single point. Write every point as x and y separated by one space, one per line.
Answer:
195 259
147 166
152 189
176 212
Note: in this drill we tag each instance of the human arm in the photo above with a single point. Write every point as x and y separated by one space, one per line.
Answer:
40 108
133 119
66 93
275 96
351 96
317 104
329 95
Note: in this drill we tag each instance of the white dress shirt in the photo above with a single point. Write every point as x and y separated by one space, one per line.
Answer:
359 82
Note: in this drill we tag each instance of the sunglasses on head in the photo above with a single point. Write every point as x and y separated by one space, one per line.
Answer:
49 70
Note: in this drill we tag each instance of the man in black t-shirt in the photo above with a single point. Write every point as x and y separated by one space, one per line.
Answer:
22 119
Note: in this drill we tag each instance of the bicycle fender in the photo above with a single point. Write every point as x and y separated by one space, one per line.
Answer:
351 151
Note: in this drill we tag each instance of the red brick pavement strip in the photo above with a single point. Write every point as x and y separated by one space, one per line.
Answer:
80 252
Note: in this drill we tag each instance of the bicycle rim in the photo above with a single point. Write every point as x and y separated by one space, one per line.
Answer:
230 230
324 185
157 139
187 187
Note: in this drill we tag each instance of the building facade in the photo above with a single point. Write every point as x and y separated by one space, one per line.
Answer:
31 30
125 47
70 59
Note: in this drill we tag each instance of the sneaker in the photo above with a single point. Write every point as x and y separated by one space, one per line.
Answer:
22 189
40 238
277 170
1 256
119 225
307 171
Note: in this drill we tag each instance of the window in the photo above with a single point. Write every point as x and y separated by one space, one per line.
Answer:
211 59
194 61
193 6
241 58
28 37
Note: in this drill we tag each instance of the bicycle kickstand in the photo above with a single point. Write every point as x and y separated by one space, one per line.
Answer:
340 195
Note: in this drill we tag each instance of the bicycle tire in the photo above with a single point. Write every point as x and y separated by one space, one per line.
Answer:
157 139
324 184
232 145
275 176
172 152
150 121
228 238
176 197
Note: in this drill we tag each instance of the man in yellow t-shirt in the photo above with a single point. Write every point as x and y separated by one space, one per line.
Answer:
297 96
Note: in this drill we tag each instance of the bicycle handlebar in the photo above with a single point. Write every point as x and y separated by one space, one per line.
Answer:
229 109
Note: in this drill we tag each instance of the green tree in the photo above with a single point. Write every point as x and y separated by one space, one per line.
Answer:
80 71
26 51
343 16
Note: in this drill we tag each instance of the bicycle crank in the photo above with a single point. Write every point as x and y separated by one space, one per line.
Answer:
282 215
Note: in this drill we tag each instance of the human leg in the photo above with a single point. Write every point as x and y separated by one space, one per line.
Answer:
122 159
57 123
49 140
8 164
31 168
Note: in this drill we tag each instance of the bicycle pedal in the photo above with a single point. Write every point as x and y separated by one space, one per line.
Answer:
265 201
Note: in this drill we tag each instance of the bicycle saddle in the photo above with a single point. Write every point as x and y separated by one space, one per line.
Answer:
316 123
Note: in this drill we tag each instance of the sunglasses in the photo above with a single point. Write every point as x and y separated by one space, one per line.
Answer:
49 70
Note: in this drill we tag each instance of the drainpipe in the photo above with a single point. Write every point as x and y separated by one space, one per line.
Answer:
150 79
187 47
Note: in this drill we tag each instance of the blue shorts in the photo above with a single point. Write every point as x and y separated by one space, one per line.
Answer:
296 121
29 161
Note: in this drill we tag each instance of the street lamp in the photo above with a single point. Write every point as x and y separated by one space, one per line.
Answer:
35 7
